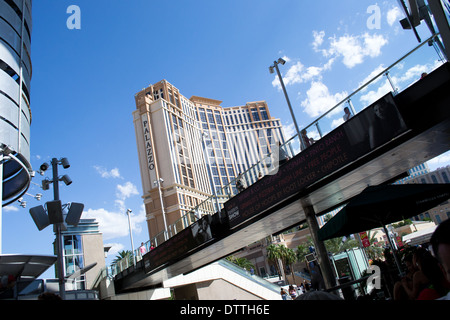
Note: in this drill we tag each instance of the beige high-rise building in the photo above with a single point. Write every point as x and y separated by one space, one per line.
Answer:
190 149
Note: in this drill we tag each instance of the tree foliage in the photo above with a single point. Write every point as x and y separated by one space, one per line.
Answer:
241 262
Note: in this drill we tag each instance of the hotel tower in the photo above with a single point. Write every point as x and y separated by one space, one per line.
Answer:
191 149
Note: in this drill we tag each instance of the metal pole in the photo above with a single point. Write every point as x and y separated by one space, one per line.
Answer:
391 82
349 101
321 251
211 179
442 23
59 244
1 198
131 236
289 104
162 209
391 244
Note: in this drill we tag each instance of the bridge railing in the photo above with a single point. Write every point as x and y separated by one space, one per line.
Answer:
404 72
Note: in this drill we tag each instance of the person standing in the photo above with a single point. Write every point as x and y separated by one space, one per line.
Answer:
240 183
440 242
283 294
142 249
307 140
347 114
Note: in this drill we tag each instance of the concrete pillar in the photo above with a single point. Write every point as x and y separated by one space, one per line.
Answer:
1 200
321 251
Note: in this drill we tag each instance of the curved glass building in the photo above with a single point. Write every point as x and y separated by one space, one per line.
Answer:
15 112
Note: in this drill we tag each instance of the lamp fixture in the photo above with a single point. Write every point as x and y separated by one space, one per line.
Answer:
66 179
46 184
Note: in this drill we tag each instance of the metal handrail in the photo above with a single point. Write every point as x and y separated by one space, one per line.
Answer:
373 79
224 193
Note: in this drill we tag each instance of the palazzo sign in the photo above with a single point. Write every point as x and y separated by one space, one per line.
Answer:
148 144
149 151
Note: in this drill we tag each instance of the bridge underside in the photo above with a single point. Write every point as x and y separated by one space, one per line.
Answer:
425 108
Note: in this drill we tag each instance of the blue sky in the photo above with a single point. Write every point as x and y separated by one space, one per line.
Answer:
84 81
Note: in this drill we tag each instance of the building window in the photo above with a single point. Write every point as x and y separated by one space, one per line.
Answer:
263 112
445 177
73 258
255 114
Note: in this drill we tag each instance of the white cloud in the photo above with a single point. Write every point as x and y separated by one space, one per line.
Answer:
353 49
319 99
297 73
114 224
394 15
413 73
349 48
286 58
292 76
372 75
104 173
318 39
337 122
115 248
373 44
289 130
126 190
405 78
10 209
374 95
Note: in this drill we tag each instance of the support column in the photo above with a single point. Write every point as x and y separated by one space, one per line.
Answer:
1 199
321 251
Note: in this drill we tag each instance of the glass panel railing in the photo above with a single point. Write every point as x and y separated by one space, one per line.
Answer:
395 78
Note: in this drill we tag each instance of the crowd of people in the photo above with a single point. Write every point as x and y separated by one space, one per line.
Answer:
294 291
428 271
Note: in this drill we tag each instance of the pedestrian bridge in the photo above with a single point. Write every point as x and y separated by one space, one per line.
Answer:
379 144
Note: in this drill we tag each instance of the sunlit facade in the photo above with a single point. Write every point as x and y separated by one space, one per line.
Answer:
197 147
83 246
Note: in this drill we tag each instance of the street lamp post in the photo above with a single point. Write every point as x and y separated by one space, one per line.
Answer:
211 178
307 208
60 262
275 65
158 183
55 214
131 236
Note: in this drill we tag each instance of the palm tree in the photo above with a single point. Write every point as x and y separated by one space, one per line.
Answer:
289 258
121 255
303 249
374 252
241 262
274 254
337 245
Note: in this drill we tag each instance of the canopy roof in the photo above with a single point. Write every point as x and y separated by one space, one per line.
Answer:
377 206
25 266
